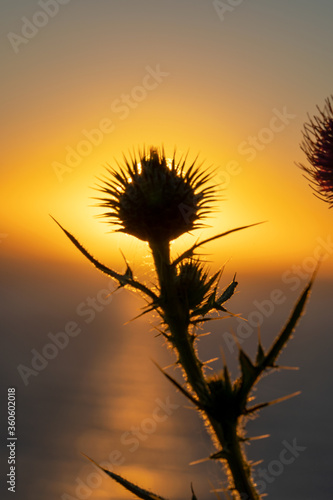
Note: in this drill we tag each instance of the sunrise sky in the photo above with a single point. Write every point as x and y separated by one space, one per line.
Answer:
234 87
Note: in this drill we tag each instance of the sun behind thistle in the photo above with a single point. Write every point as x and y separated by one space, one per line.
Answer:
318 146
156 199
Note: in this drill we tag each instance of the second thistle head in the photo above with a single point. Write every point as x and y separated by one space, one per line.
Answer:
318 147
154 198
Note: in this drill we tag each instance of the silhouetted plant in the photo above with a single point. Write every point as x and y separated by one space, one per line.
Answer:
157 200
318 146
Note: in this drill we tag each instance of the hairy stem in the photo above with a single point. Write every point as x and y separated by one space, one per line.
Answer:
176 316
239 468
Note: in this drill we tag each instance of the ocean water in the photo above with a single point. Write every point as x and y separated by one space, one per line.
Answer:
100 394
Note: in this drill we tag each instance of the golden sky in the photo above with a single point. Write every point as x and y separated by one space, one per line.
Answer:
84 82
98 79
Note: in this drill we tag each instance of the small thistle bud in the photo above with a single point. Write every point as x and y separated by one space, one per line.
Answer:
318 146
155 199
223 402
192 283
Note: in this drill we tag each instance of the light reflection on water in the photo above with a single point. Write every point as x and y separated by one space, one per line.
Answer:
143 428
100 397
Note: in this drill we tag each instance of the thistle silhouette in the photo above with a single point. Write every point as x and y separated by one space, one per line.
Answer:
317 144
157 200
148 198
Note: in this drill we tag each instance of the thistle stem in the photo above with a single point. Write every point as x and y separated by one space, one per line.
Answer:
238 466
177 319
176 316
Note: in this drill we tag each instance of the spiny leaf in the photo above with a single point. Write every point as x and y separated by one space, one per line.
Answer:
255 438
189 253
128 272
219 455
123 279
287 331
264 405
228 292
161 332
181 389
203 320
247 367
133 488
148 309
209 361
260 353
226 375
280 367
200 461
211 302
270 358
227 380
260 350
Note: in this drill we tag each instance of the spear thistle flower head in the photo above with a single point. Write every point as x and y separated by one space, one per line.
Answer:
193 283
156 199
318 146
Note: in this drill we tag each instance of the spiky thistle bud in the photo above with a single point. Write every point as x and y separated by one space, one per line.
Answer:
156 199
318 146
193 283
